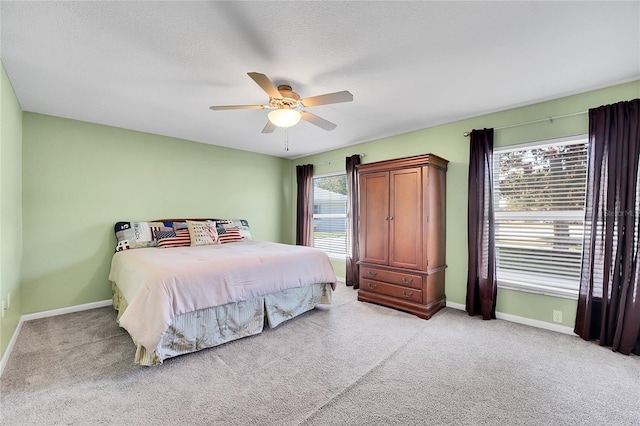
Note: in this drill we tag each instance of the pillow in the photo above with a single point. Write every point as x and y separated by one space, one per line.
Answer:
229 235
241 224
131 235
202 233
180 238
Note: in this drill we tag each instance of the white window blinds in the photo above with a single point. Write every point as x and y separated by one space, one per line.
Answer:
330 214
539 202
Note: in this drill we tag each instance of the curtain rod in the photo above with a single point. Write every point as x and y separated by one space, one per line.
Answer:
550 119
333 161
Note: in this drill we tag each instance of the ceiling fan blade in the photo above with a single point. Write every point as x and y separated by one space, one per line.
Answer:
320 122
269 127
329 98
223 107
266 84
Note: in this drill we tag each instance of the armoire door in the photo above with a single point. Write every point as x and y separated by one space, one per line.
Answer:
405 218
374 218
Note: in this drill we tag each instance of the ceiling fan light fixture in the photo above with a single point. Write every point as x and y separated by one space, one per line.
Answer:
284 117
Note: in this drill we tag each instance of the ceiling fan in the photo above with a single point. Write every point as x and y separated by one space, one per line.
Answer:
285 103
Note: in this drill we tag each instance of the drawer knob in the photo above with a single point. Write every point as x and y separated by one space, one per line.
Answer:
373 274
405 294
372 285
404 280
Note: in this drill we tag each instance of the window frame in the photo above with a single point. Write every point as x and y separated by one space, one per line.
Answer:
556 287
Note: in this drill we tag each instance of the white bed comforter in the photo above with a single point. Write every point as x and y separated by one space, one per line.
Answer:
160 283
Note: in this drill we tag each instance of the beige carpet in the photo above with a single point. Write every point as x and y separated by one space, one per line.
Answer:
353 363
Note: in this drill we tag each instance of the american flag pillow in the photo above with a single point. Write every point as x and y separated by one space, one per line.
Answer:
180 239
229 235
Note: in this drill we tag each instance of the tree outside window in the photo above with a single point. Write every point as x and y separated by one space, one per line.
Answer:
539 200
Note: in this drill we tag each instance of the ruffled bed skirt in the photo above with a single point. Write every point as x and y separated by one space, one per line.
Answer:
194 331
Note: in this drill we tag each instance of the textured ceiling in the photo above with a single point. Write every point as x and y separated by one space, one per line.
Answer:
157 66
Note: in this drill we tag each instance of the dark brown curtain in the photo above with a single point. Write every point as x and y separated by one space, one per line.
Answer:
609 297
353 245
481 281
304 211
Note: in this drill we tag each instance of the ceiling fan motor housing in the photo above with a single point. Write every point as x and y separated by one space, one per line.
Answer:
290 99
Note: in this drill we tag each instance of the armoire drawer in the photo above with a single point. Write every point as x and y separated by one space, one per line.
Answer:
399 278
399 292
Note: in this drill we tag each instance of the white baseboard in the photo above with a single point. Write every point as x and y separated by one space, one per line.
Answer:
12 342
68 310
522 320
458 306
45 314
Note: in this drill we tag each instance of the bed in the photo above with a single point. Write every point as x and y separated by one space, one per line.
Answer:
183 285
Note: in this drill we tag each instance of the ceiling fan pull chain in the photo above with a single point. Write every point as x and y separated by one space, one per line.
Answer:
286 139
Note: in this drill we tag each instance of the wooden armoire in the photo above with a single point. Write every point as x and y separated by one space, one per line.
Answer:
402 233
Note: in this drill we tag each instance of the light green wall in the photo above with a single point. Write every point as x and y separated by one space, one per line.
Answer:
79 179
448 142
10 207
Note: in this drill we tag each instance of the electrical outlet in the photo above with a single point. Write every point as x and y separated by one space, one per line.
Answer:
557 316
4 308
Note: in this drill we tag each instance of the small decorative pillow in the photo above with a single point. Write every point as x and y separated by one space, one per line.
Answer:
131 235
229 235
241 224
202 233
178 238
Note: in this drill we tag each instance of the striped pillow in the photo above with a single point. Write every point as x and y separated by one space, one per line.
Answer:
241 224
181 239
229 235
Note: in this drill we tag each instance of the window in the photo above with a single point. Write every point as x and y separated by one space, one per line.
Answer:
330 214
539 202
